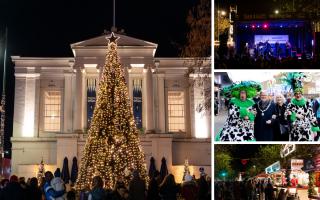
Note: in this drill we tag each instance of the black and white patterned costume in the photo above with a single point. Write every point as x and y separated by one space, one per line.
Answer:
305 128
236 127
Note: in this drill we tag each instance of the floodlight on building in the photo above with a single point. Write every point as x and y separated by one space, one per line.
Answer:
28 124
137 65
90 65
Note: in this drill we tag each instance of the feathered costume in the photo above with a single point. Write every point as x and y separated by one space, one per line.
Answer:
237 128
303 121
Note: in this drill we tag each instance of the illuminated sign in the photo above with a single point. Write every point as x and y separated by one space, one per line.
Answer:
287 149
273 168
296 164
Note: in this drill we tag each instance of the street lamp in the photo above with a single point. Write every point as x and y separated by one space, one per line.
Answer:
221 14
276 11
224 174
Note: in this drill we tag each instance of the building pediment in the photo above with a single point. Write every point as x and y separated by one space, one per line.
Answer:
128 47
123 41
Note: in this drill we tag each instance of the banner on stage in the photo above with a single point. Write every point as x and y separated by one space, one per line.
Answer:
272 39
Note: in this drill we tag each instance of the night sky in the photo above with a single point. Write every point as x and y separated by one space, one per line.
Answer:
47 28
248 6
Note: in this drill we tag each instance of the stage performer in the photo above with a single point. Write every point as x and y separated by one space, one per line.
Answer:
303 122
240 121
288 49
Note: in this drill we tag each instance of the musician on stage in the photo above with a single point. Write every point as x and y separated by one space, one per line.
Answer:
288 49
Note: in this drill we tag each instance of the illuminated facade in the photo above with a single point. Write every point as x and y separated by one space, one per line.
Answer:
55 99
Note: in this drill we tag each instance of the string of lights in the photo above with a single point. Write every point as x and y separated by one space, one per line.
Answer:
112 148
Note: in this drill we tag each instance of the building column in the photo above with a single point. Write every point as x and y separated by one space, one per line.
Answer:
77 112
149 93
31 111
161 104
67 105
84 124
126 74
19 105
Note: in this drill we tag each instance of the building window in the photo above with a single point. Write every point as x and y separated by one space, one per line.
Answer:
137 102
52 110
176 121
91 98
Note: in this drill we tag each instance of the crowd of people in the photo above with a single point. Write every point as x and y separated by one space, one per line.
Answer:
54 188
253 189
267 118
260 62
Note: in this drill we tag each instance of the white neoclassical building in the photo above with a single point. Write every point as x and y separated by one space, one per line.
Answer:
55 97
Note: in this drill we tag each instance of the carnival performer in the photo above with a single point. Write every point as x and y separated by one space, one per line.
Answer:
303 122
240 121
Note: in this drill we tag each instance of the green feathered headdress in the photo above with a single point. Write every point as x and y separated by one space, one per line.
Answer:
251 88
294 80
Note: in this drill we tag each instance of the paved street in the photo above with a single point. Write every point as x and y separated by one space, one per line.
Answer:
219 121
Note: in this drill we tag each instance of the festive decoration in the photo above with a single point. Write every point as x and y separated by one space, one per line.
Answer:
311 188
244 161
152 167
74 170
112 146
41 171
251 87
294 80
65 175
186 170
163 169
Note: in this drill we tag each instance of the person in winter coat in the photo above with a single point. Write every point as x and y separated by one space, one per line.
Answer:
97 192
33 191
119 192
189 188
204 188
13 190
58 185
137 187
49 191
168 188
153 189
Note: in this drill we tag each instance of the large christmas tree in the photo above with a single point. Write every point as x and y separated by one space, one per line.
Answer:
112 148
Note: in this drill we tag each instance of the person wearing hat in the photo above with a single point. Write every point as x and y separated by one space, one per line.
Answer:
299 112
240 121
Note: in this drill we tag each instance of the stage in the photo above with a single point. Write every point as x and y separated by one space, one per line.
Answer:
274 38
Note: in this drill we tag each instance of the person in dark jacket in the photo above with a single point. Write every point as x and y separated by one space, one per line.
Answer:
281 125
204 188
119 192
189 189
97 192
168 188
153 190
137 187
269 194
265 118
13 190
33 191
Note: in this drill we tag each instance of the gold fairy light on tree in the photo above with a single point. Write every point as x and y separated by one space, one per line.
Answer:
112 147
